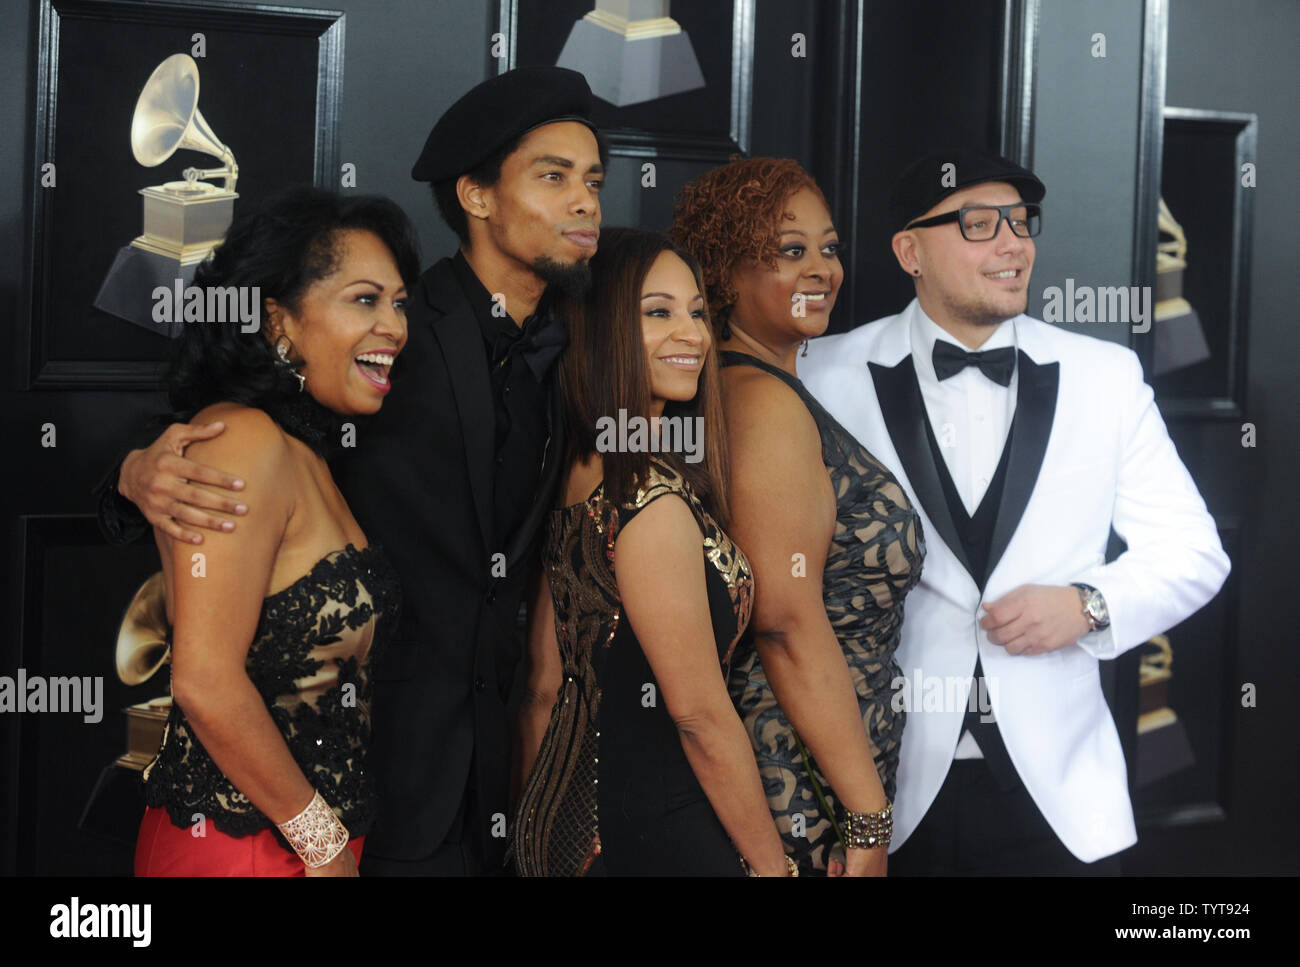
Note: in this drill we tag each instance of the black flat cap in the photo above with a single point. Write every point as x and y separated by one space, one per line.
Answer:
926 181
494 113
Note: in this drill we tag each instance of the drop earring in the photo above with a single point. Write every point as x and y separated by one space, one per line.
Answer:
724 322
282 351
805 348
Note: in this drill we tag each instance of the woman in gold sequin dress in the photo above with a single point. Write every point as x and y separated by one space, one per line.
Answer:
834 542
632 760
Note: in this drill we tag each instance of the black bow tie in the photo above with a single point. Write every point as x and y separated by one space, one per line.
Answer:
996 364
539 343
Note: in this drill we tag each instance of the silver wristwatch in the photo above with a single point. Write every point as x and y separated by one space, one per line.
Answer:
1094 607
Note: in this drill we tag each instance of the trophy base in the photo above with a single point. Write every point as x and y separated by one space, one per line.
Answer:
127 290
1162 747
1180 337
184 254
181 220
625 68
145 724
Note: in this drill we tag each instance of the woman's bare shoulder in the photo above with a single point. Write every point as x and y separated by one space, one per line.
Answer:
764 413
252 442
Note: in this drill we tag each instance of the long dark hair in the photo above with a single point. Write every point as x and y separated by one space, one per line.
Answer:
281 246
604 370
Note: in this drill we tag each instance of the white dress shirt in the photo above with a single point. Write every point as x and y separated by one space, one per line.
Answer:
969 413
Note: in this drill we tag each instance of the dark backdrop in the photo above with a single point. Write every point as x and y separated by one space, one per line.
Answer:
882 81
1239 57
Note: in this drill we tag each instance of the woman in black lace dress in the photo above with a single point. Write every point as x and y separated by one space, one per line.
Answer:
632 760
261 770
834 543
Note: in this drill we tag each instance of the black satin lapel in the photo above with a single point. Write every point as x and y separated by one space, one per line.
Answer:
904 412
549 480
462 347
1035 410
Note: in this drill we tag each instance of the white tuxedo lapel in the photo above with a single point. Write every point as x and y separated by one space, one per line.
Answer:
1038 385
1064 486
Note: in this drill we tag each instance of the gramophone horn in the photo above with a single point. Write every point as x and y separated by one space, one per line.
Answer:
142 639
167 117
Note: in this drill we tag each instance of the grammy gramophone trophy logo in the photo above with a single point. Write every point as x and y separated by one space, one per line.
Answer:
1179 333
184 220
143 647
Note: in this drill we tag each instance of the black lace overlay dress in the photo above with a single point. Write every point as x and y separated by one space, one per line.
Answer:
874 560
612 791
310 659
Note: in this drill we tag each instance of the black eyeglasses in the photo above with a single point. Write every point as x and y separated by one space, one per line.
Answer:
980 223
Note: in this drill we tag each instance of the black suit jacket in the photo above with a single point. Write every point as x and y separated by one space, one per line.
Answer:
419 481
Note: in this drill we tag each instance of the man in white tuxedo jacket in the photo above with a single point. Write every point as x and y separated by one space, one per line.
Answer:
1020 457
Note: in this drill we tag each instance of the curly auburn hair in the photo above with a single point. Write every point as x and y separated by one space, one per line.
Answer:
732 214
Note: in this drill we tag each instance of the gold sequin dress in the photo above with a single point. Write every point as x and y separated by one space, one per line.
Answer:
611 791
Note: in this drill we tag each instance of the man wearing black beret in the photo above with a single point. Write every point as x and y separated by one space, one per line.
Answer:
453 476
1021 445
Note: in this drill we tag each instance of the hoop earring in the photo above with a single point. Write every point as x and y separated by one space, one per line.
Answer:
284 363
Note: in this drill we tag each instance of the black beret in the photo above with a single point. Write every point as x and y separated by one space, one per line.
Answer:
926 182
494 113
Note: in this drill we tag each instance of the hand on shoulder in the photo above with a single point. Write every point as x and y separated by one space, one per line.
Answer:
253 448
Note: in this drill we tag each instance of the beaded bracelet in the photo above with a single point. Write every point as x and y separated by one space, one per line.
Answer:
869 830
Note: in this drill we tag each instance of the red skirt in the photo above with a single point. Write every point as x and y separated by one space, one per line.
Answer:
164 849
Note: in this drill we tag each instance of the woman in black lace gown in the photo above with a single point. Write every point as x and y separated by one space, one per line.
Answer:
275 623
632 759
834 543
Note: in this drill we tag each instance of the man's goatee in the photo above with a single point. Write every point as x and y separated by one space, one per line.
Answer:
573 280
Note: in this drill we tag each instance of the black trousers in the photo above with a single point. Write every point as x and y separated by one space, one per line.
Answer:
975 828
459 854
